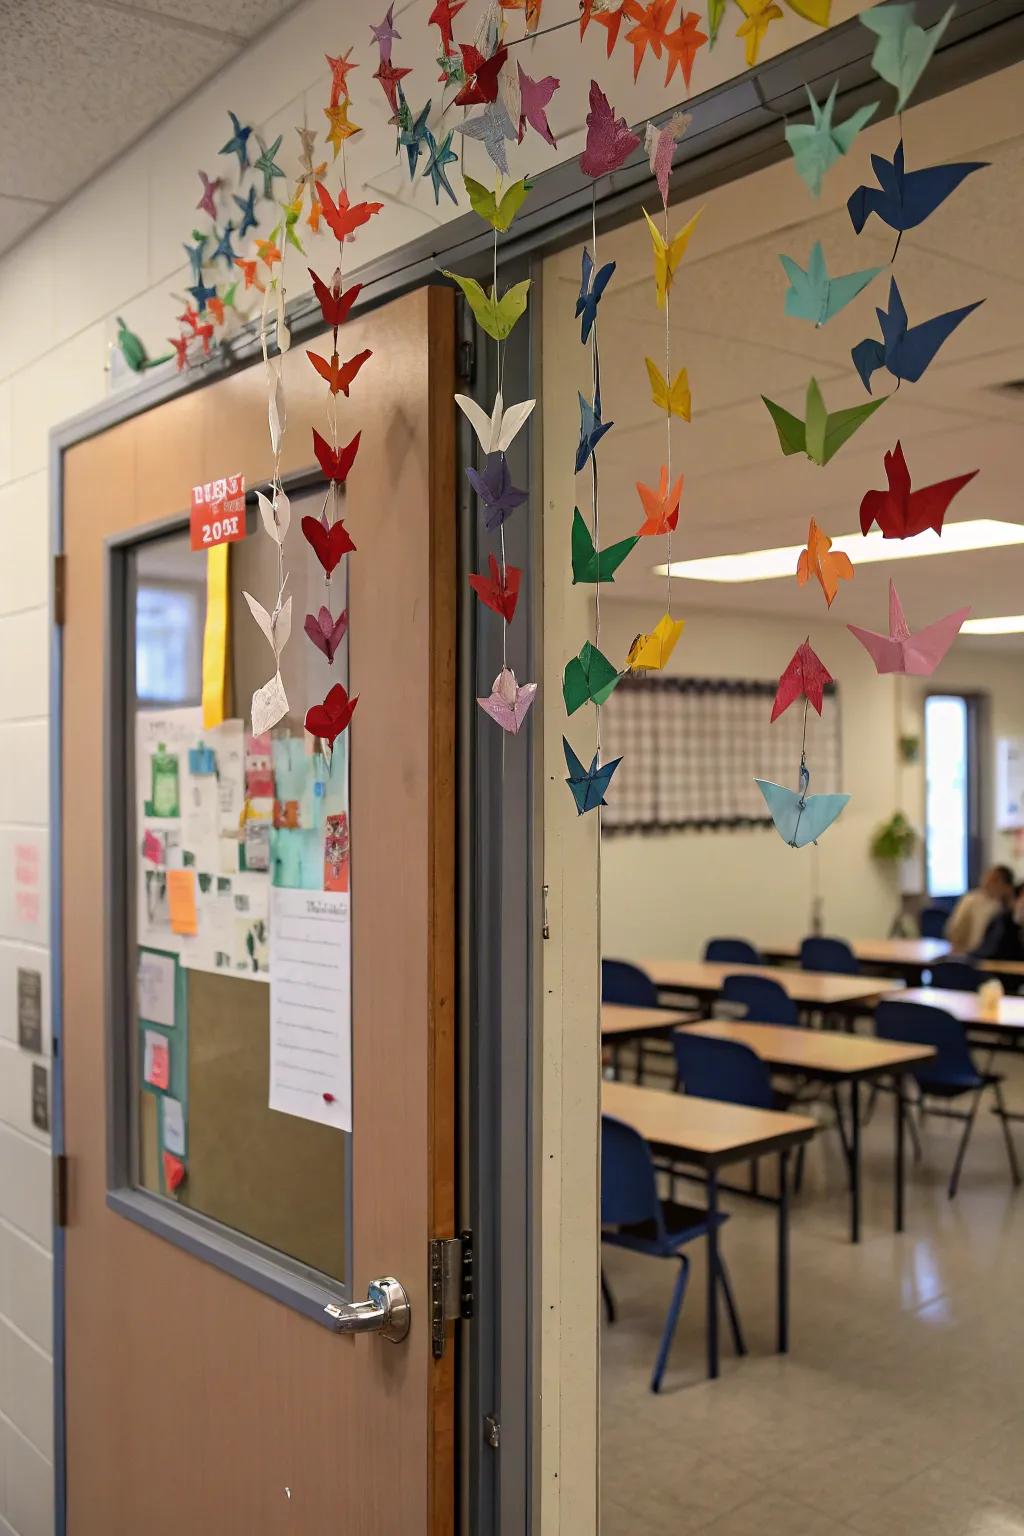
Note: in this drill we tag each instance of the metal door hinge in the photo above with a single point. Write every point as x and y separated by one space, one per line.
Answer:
60 1190
59 587
465 362
492 1432
451 1285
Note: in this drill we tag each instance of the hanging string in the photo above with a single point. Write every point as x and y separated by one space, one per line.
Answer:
668 428
595 353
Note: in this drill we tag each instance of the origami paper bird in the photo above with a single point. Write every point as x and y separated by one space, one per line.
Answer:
661 509
190 318
805 677
588 678
591 288
276 514
247 205
205 335
500 590
903 50
818 559
813 295
343 217
800 818
905 350
667 256
202 293
498 211
481 83
681 46
133 350
329 719
266 165
413 137
341 125
339 69
610 141
493 485
388 77
276 626
215 307
716 11
339 376
660 147
916 654
442 16
452 72
238 144
592 429
509 702
180 345
248 268
439 156
674 400
492 127
292 212
334 302
268 252
384 33
195 254
326 631
902 513
650 653
649 31
329 542
589 564
224 249
759 16
335 463
535 97
494 433
495 316
610 16
211 187
588 785
531 7
824 432
904 199
817 145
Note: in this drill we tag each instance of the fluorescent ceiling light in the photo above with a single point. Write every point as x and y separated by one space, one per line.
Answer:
770 564
1009 624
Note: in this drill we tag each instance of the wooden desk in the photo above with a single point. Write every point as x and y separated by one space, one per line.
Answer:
808 989
893 957
1011 971
620 1023
711 1135
966 1007
833 1058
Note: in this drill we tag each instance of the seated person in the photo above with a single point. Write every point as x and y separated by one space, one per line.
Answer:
1004 939
972 914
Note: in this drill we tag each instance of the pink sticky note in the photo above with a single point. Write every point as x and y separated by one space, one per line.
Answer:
152 848
157 1064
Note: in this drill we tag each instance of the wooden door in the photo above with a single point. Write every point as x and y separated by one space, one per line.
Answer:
194 1403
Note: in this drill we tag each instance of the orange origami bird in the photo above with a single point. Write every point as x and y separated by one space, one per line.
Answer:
249 273
343 216
613 17
532 9
216 308
268 252
650 31
338 375
818 560
660 508
681 47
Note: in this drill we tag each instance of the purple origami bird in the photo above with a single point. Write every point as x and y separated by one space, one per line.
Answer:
610 141
493 485
534 97
509 702
326 631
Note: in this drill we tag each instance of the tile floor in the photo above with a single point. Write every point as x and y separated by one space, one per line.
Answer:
900 1408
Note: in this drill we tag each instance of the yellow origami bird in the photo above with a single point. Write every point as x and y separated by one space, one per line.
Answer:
668 256
651 652
674 400
759 14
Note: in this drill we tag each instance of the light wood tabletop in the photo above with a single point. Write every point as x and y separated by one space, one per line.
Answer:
966 1006
914 954
618 1020
819 1053
1014 968
812 989
704 1130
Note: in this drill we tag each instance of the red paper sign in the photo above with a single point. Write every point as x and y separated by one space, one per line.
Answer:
218 512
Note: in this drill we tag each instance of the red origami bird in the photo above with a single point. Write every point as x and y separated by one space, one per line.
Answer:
335 463
805 677
334 302
481 75
180 345
329 719
442 16
496 592
339 376
660 508
900 512
343 216
327 543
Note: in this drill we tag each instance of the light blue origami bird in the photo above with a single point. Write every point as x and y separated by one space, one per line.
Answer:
800 818
817 145
592 429
904 49
813 295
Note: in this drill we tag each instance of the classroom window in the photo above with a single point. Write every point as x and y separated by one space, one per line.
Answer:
947 739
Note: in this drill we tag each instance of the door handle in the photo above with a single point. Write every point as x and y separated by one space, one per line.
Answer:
385 1311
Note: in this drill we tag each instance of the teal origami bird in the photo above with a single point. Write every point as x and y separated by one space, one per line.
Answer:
800 818
817 145
439 156
133 350
266 164
904 49
813 295
588 785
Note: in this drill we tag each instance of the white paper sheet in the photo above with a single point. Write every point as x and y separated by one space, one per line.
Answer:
156 988
173 1117
311 1005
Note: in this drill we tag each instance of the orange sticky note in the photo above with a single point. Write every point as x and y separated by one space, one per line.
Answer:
181 898
174 1171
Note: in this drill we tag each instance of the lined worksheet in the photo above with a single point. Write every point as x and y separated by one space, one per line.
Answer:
311 1005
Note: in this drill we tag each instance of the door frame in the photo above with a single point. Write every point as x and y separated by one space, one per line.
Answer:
736 128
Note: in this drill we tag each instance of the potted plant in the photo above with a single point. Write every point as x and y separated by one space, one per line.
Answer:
895 840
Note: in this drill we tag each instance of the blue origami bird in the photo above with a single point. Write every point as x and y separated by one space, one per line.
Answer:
196 254
588 784
224 249
905 350
904 199
800 818
238 144
248 206
592 429
591 289
201 294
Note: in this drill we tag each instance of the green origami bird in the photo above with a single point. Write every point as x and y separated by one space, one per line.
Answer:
495 316
817 145
590 564
823 433
590 675
133 350
904 49
814 295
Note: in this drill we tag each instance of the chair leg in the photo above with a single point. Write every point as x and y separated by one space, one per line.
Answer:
609 1299
954 1181
869 1107
730 1304
1011 1150
915 1134
798 1179
678 1292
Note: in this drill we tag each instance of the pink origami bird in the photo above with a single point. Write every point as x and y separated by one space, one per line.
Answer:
917 654
509 702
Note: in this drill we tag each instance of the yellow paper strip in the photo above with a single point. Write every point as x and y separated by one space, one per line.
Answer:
215 635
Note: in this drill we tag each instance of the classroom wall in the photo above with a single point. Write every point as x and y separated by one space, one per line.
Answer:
667 894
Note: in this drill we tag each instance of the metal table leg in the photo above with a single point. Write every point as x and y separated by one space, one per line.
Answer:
782 1279
900 1173
712 1295
855 1161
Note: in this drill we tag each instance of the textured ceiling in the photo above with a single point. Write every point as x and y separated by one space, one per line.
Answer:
81 80
730 331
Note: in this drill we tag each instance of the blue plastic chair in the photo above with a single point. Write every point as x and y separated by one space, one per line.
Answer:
957 976
835 955
726 1070
766 1001
731 952
949 1074
633 1216
622 982
932 922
